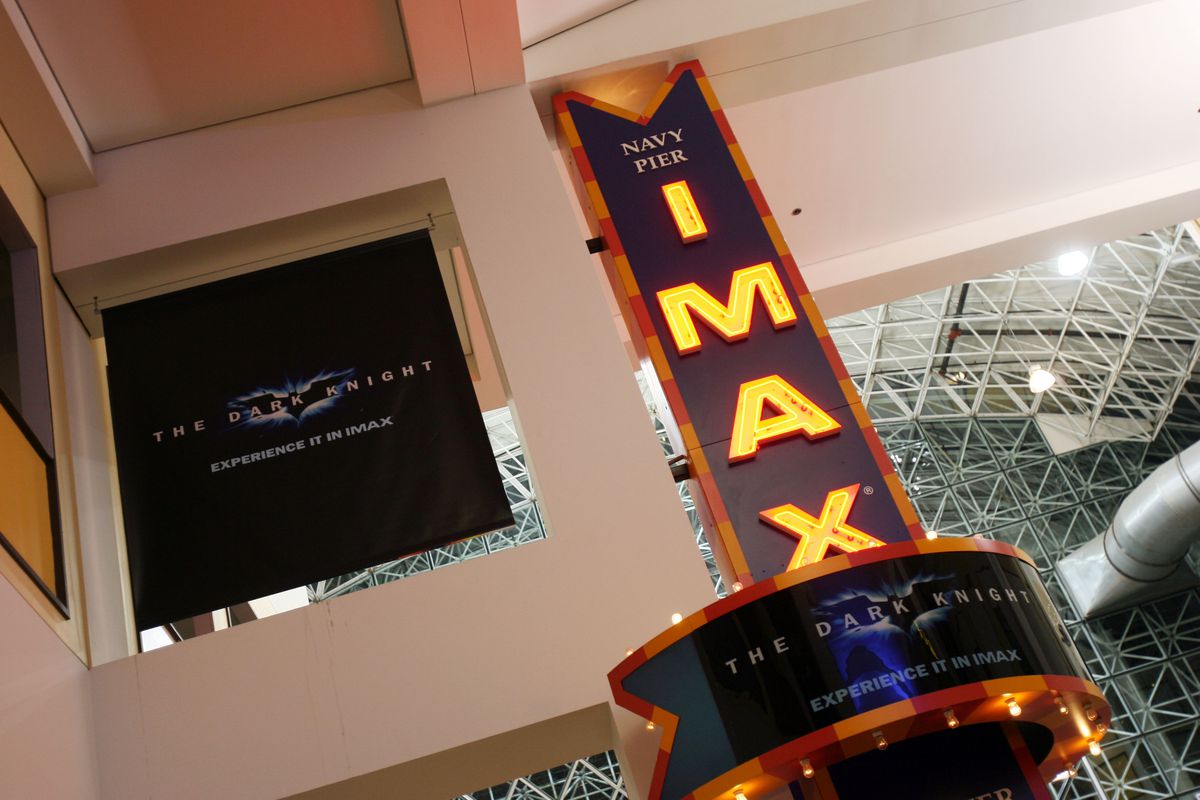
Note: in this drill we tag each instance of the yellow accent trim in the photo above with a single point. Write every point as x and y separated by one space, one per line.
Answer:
598 204
814 315
625 113
852 397
874 719
569 130
733 548
661 717
658 358
660 95
952 544
1021 683
625 273
739 158
710 96
860 414
776 235
695 452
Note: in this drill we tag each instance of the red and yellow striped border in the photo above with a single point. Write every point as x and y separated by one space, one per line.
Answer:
628 287
973 703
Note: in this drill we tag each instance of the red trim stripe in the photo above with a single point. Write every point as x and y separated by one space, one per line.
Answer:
760 204
675 401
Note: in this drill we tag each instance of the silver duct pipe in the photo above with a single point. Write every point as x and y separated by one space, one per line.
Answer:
1140 556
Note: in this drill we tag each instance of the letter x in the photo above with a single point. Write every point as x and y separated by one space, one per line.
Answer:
818 535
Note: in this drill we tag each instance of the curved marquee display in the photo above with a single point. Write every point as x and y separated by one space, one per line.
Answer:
822 663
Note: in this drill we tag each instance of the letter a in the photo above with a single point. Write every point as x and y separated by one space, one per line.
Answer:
732 321
795 414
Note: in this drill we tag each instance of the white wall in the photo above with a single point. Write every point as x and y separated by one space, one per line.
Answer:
466 653
47 740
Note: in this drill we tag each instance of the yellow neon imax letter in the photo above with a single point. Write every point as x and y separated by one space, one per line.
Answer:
683 209
794 414
732 321
818 535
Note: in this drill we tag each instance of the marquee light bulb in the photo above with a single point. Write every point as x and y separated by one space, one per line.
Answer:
739 795
1072 263
1094 747
1040 380
676 618
806 768
1091 712
737 586
880 742
649 726
629 652
931 534
1062 707
1014 708
1068 772
951 719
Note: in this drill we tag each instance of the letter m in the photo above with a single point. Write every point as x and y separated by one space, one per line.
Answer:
731 320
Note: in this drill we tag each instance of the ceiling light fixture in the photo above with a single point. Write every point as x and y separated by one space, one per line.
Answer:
1040 380
1072 263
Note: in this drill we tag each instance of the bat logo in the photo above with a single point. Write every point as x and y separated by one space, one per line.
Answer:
291 404
878 633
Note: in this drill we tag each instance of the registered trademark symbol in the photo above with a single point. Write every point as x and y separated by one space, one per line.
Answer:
868 490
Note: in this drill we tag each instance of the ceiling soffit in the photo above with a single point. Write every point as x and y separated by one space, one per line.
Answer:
134 70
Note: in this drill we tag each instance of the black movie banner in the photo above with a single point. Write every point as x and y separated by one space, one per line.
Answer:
294 424
792 667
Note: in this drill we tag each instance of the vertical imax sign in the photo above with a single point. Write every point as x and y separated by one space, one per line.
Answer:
790 467
807 675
